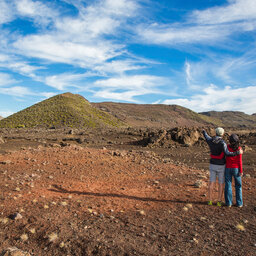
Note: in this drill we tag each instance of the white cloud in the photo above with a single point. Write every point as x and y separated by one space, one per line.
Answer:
6 14
6 79
218 99
236 10
6 113
19 91
36 10
55 49
8 62
208 27
125 88
118 66
64 81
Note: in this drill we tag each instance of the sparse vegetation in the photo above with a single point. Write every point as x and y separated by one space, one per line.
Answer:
64 110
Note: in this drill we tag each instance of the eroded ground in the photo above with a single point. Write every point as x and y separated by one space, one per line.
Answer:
117 199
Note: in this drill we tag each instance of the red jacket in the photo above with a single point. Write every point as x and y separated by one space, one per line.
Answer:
234 161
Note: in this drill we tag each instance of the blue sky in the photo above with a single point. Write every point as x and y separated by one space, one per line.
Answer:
200 54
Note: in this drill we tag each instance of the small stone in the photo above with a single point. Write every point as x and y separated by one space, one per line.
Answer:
4 220
202 218
245 221
32 231
62 244
189 206
142 212
240 227
64 203
17 189
211 226
52 237
198 184
15 216
195 240
50 177
247 175
24 237
185 209
46 206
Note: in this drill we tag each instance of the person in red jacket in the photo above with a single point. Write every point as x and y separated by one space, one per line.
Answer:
233 169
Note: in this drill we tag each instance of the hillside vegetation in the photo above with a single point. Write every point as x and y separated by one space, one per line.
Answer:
233 118
71 110
157 116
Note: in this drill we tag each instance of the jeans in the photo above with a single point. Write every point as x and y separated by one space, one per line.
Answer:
229 173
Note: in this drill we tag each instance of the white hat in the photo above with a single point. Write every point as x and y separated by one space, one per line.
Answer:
219 131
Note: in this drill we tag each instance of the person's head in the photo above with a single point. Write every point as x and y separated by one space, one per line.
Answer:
234 141
219 131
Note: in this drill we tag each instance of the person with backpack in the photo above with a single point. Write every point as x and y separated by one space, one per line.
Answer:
234 169
219 151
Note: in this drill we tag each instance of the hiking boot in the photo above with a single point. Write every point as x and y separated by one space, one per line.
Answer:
209 203
219 203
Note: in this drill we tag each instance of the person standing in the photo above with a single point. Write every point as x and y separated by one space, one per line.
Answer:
219 150
234 169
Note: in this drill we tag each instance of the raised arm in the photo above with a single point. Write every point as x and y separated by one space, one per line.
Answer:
206 136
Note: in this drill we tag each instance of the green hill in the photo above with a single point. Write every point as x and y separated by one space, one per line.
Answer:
64 110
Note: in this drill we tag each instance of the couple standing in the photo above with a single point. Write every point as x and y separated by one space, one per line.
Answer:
225 163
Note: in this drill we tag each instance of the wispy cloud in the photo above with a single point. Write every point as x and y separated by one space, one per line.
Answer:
126 88
234 11
205 27
6 79
65 81
6 13
18 91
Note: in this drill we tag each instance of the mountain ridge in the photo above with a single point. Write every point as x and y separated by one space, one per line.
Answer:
236 119
73 110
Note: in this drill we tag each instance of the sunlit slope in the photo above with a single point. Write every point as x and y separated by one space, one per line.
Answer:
64 110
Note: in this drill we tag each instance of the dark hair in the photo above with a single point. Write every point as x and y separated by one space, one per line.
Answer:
234 141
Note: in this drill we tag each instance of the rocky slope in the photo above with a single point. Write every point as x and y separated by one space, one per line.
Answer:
157 116
233 118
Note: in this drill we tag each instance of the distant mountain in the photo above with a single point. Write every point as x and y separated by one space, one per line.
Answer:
71 110
155 116
233 118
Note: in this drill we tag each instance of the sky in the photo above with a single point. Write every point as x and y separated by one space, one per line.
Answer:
199 54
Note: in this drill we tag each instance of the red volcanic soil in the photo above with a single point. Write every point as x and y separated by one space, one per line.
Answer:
83 201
